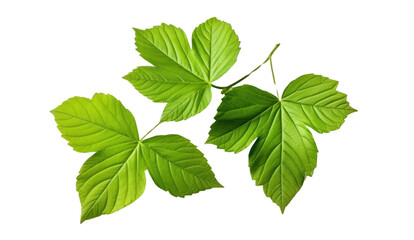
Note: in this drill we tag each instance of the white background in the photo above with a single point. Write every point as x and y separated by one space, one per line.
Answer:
361 189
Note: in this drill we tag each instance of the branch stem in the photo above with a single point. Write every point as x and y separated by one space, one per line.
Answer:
218 87
227 88
151 130
273 75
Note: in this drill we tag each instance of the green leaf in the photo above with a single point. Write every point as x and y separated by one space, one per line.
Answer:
110 180
177 166
315 101
241 117
184 99
182 76
217 45
114 176
284 152
93 124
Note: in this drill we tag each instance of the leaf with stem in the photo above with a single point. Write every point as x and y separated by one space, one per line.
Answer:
269 58
182 76
285 151
114 176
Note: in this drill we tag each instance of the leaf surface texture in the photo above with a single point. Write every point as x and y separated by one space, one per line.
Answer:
114 176
284 152
177 166
181 76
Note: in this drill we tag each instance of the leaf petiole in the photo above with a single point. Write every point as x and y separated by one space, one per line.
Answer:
273 75
218 87
150 130
227 88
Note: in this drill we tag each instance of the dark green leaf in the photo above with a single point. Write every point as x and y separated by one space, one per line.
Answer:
284 152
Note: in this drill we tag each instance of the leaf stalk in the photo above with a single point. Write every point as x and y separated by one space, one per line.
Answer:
150 130
227 88
273 75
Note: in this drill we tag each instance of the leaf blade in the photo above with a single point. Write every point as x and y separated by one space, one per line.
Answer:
315 100
285 152
217 46
187 105
176 165
240 118
175 63
110 180
167 47
160 85
281 160
93 124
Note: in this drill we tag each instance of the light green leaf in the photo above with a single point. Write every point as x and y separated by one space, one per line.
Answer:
189 106
184 98
217 45
114 176
284 152
93 124
177 166
314 100
167 47
110 180
182 76
281 158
